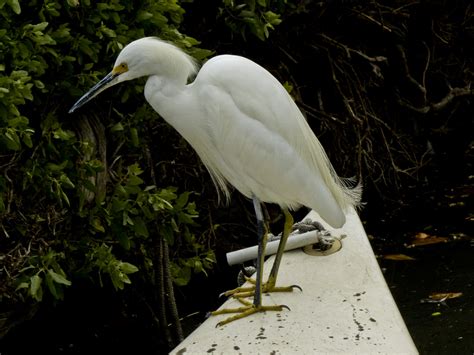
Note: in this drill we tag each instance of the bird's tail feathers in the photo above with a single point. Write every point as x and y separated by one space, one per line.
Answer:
352 188
346 191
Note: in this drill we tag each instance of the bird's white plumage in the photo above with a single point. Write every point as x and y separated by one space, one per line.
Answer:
243 124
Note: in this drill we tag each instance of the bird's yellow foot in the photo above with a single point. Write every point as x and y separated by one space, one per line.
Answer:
244 311
249 291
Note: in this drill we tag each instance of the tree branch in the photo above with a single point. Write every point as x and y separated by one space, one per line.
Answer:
351 50
408 75
441 104
451 95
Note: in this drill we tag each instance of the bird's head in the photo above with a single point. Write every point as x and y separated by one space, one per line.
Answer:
143 57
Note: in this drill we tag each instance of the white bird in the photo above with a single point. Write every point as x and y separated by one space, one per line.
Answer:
248 132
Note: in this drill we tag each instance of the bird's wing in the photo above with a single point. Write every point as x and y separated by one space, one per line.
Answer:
255 92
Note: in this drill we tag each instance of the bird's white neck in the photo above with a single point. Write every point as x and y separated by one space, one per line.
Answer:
168 98
162 87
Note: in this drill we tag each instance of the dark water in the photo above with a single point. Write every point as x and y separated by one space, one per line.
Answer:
448 267
436 328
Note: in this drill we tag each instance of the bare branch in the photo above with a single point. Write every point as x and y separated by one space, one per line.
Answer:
410 78
345 100
441 104
351 50
423 76
406 104
452 94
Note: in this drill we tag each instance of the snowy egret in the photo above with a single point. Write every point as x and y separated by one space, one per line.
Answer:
248 132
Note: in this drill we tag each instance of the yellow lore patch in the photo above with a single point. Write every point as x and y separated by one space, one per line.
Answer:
120 69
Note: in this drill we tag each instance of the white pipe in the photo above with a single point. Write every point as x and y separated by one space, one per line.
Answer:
294 241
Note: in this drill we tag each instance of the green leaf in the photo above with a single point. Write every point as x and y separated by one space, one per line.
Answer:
97 224
139 227
134 137
63 135
126 219
117 127
174 225
27 140
64 197
66 182
149 188
108 32
272 18
144 15
134 180
14 110
12 139
127 268
15 5
18 122
37 28
35 287
56 167
186 218
134 169
117 281
124 279
124 240
60 279
22 286
198 266
52 286
147 212
181 274
182 200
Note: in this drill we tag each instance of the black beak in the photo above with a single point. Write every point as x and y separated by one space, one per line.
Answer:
106 82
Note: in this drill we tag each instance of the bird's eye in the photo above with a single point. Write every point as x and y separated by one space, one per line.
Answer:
121 68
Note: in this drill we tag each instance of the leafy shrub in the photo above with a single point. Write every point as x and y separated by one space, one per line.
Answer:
74 201
258 17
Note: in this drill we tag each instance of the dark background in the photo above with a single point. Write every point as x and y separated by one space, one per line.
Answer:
386 87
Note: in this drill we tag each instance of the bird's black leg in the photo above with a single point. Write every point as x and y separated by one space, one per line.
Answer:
255 307
281 249
269 286
262 243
